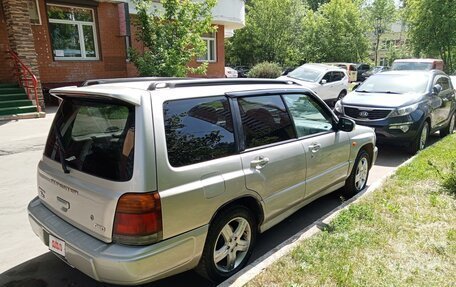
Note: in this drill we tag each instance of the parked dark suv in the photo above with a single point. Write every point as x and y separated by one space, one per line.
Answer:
404 107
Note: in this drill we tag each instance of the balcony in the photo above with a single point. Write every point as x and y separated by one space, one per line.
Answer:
230 13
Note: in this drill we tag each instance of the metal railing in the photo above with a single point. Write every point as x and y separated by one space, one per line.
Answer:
26 79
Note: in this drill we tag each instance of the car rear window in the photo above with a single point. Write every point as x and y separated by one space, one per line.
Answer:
98 138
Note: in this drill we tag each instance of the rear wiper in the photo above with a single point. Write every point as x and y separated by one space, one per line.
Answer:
58 136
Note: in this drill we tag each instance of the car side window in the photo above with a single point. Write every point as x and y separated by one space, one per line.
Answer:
327 77
265 120
198 130
309 117
444 82
337 76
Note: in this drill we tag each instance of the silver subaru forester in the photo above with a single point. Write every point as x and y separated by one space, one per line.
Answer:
145 178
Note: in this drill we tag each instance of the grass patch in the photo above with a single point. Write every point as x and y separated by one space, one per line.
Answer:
403 234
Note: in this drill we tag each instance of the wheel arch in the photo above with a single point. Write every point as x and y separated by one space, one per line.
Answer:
249 202
369 148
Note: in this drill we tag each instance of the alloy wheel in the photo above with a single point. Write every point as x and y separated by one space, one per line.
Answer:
452 123
424 136
361 173
232 245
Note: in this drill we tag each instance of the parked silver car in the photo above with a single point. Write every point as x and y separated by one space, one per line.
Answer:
145 178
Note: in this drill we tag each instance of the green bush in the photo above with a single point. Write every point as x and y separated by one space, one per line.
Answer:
265 70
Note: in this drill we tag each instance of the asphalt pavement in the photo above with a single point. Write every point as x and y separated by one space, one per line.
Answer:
26 262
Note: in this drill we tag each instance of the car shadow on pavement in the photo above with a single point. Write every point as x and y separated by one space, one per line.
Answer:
48 271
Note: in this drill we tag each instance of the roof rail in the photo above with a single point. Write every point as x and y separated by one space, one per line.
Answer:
213 82
128 80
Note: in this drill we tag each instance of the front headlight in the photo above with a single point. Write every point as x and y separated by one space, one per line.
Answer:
338 107
402 111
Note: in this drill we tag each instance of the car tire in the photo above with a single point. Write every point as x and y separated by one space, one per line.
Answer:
419 143
360 173
449 129
232 235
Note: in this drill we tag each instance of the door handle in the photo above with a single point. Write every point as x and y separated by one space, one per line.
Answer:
314 147
260 162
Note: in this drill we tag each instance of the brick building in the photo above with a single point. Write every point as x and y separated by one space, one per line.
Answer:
69 41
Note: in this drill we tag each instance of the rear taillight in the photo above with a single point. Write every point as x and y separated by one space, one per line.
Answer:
138 219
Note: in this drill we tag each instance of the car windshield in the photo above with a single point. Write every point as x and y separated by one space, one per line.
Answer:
395 84
375 70
305 73
398 66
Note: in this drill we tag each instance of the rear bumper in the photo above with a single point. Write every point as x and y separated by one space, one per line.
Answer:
116 263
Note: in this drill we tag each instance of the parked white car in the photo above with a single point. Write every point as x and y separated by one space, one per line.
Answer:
330 83
230 73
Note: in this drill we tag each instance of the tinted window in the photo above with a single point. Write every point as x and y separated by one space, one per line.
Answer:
265 120
411 66
309 118
444 82
98 138
337 76
327 77
198 130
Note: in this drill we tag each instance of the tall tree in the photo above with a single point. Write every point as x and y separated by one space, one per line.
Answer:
336 32
380 15
432 29
272 33
172 35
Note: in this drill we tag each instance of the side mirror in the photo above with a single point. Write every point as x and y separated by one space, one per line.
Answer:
324 81
346 125
436 89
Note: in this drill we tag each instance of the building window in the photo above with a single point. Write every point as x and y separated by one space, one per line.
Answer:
34 12
73 33
211 55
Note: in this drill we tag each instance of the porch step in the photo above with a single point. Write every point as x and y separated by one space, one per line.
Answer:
13 97
17 110
9 90
15 103
8 85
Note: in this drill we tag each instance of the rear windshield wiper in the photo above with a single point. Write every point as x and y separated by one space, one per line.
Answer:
58 136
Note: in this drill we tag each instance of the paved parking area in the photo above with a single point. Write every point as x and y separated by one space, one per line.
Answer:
26 262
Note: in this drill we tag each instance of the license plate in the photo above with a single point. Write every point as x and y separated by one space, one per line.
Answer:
57 245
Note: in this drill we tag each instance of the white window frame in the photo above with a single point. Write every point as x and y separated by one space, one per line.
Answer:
80 25
34 5
208 40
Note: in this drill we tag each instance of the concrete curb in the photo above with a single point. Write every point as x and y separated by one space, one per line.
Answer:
256 267
23 116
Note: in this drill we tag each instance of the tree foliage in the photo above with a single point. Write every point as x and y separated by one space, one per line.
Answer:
271 33
172 36
289 33
380 15
335 32
432 29
315 4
